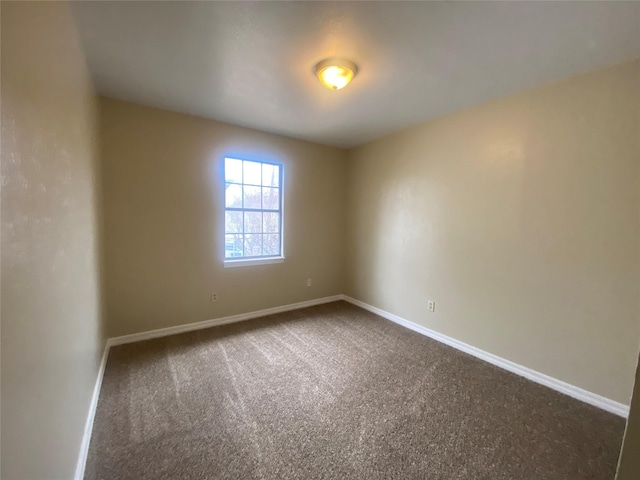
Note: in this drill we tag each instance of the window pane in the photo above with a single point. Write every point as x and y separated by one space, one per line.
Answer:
270 175
253 245
271 222
233 196
232 170
271 245
252 173
252 197
270 198
233 246
251 186
233 222
252 222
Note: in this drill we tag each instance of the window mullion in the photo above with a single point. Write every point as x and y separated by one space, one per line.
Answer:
236 209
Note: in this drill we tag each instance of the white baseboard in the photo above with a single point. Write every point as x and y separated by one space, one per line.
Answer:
553 383
163 332
88 427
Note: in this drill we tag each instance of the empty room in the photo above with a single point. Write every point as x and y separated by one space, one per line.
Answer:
320 240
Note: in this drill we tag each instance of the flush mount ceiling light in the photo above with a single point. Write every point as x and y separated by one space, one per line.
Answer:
336 73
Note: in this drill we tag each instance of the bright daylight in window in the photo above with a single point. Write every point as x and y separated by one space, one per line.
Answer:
253 209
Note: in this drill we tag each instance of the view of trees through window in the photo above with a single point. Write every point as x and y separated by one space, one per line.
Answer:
253 222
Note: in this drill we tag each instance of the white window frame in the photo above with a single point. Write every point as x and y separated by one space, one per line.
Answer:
262 259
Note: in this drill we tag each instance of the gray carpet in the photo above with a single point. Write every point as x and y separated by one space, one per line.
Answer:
334 392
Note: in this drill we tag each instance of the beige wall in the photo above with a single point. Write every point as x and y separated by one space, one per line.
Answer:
164 221
629 467
51 330
520 219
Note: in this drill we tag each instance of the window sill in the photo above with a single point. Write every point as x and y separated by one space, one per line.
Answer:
252 261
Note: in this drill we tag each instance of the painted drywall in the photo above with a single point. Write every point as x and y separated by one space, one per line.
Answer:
629 466
164 219
51 321
520 218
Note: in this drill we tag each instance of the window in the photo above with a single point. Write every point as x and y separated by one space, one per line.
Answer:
253 211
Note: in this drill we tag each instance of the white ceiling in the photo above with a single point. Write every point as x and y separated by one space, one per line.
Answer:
251 64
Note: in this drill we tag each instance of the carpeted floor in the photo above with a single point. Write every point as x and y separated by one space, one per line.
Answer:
334 392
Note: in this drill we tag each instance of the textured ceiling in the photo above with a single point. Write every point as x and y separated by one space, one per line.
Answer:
251 64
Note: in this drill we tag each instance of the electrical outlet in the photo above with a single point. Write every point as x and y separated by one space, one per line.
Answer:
309 282
431 305
214 297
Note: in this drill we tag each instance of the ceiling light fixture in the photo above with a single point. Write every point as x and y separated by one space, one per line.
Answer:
336 73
